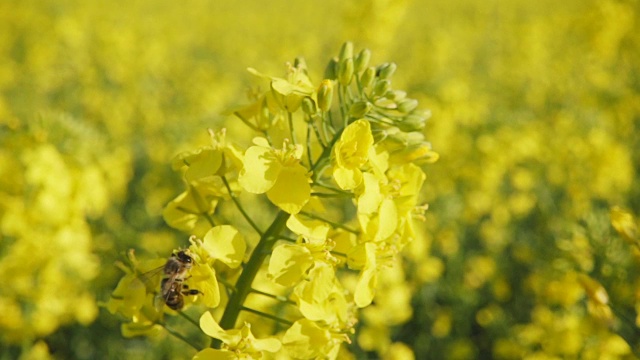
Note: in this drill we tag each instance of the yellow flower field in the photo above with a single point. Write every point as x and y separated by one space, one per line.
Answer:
354 180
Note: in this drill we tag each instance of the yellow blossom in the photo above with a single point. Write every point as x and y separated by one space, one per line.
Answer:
306 339
277 173
350 153
237 343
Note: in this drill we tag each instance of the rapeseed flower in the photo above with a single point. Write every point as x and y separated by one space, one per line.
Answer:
278 173
237 343
350 153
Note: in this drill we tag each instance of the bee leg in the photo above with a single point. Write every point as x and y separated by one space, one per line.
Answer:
187 291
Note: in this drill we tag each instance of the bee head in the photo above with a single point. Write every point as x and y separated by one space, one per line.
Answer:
184 257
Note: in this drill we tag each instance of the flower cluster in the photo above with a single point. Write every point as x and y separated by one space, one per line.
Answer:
339 165
48 197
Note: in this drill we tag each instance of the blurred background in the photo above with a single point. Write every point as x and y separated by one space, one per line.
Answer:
536 116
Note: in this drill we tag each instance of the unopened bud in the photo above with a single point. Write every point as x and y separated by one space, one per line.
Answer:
346 51
381 87
396 95
412 122
331 71
325 95
359 109
345 72
420 153
367 77
309 106
386 70
362 60
407 105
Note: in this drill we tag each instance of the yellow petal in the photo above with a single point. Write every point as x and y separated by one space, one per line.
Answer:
369 201
260 171
269 344
387 219
203 278
210 327
291 191
215 354
365 289
309 229
226 244
347 179
289 263
203 164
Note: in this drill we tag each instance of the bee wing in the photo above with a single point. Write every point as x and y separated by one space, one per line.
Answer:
150 279
158 302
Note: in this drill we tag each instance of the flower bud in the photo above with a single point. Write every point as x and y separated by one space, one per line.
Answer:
412 122
407 105
345 72
359 109
381 87
362 60
367 77
396 95
346 51
309 106
325 95
418 153
331 71
386 70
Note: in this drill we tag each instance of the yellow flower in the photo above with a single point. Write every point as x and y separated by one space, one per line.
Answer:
278 173
366 287
377 212
330 307
224 243
185 210
625 225
237 343
289 263
305 339
313 230
350 153
289 92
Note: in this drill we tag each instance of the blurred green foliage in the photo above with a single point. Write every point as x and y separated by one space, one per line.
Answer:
536 113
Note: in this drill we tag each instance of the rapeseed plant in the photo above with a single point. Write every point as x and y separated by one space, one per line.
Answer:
342 184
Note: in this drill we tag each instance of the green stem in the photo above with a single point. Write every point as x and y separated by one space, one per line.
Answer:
243 285
189 319
287 238
339 191
179 336
326 153
246 122
240 208
332 223
277 297
293 135
319 136
343 111
227 285
310 159
331 196
268 316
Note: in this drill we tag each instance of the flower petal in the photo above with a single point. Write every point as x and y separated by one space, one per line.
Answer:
260 171
226 244
289 263
292 190
347 179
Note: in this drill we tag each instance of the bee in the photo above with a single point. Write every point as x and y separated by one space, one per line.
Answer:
172 288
